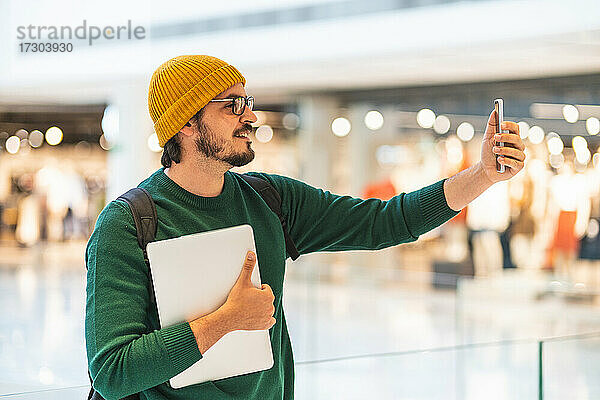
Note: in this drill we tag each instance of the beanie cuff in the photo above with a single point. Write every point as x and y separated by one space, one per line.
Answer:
180 112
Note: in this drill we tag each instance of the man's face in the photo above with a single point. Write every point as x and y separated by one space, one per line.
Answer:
224 136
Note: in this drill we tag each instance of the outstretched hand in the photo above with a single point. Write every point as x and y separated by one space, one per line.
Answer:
512 158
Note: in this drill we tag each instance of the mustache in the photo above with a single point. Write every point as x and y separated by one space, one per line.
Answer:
246 128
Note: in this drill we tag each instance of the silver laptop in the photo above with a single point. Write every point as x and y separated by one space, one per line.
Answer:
192 277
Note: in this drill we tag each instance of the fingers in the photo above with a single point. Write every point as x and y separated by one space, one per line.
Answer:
511 138
510 126
512 164
267 289
509 152
247 268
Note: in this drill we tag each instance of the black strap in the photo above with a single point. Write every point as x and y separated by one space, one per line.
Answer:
271 196
144 214
92 395
145 217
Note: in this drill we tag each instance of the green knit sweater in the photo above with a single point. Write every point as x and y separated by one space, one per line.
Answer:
129 352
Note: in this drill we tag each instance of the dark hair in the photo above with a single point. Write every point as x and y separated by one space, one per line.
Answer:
172 149
171 152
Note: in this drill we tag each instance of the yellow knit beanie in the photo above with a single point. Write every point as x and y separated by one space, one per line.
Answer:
182 86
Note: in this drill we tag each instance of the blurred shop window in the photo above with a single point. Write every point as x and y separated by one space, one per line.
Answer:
67 205
487 217
569 211
54 204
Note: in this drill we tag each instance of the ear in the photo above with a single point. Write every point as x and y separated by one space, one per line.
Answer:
188 129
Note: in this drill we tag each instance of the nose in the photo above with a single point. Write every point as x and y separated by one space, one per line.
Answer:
248 116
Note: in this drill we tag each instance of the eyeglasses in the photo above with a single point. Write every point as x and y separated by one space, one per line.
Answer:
239 104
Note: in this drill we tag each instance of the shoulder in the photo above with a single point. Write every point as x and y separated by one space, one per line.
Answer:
114 230
283 184
115 217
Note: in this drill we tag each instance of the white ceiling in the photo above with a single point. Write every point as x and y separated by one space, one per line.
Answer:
457 42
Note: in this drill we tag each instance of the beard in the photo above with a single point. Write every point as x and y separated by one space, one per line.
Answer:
217 148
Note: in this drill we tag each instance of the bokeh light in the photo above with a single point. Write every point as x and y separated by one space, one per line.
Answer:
264 133
290 121
12 144
374 120
153 145
110 124
579 144
341 127
571 113
441 125
104 144
54 136
583 157
555 145
36 138
425 118
536 134
21 134
592 124
465 131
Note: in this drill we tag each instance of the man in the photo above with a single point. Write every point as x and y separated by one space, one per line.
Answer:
202 117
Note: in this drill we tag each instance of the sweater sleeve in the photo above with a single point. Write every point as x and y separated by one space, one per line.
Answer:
125 355
321 221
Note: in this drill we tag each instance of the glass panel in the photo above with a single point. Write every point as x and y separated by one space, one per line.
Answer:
571 368
490 371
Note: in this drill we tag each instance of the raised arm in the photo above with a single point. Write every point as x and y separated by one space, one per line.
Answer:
322 221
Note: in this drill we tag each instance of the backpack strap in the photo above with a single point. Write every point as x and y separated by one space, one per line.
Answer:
146 220
271 196
145 217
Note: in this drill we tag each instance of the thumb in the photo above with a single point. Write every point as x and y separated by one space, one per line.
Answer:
492 125
247 268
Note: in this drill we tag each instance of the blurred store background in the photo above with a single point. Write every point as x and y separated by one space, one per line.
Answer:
365 98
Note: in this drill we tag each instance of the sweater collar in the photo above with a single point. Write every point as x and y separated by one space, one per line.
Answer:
174 189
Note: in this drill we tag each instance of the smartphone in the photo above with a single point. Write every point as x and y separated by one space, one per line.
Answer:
499 107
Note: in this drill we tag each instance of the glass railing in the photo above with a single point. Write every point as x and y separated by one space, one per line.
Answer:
79 392
565 367
363 332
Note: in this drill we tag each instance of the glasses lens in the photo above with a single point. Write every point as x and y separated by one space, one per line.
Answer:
238 105
250 102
